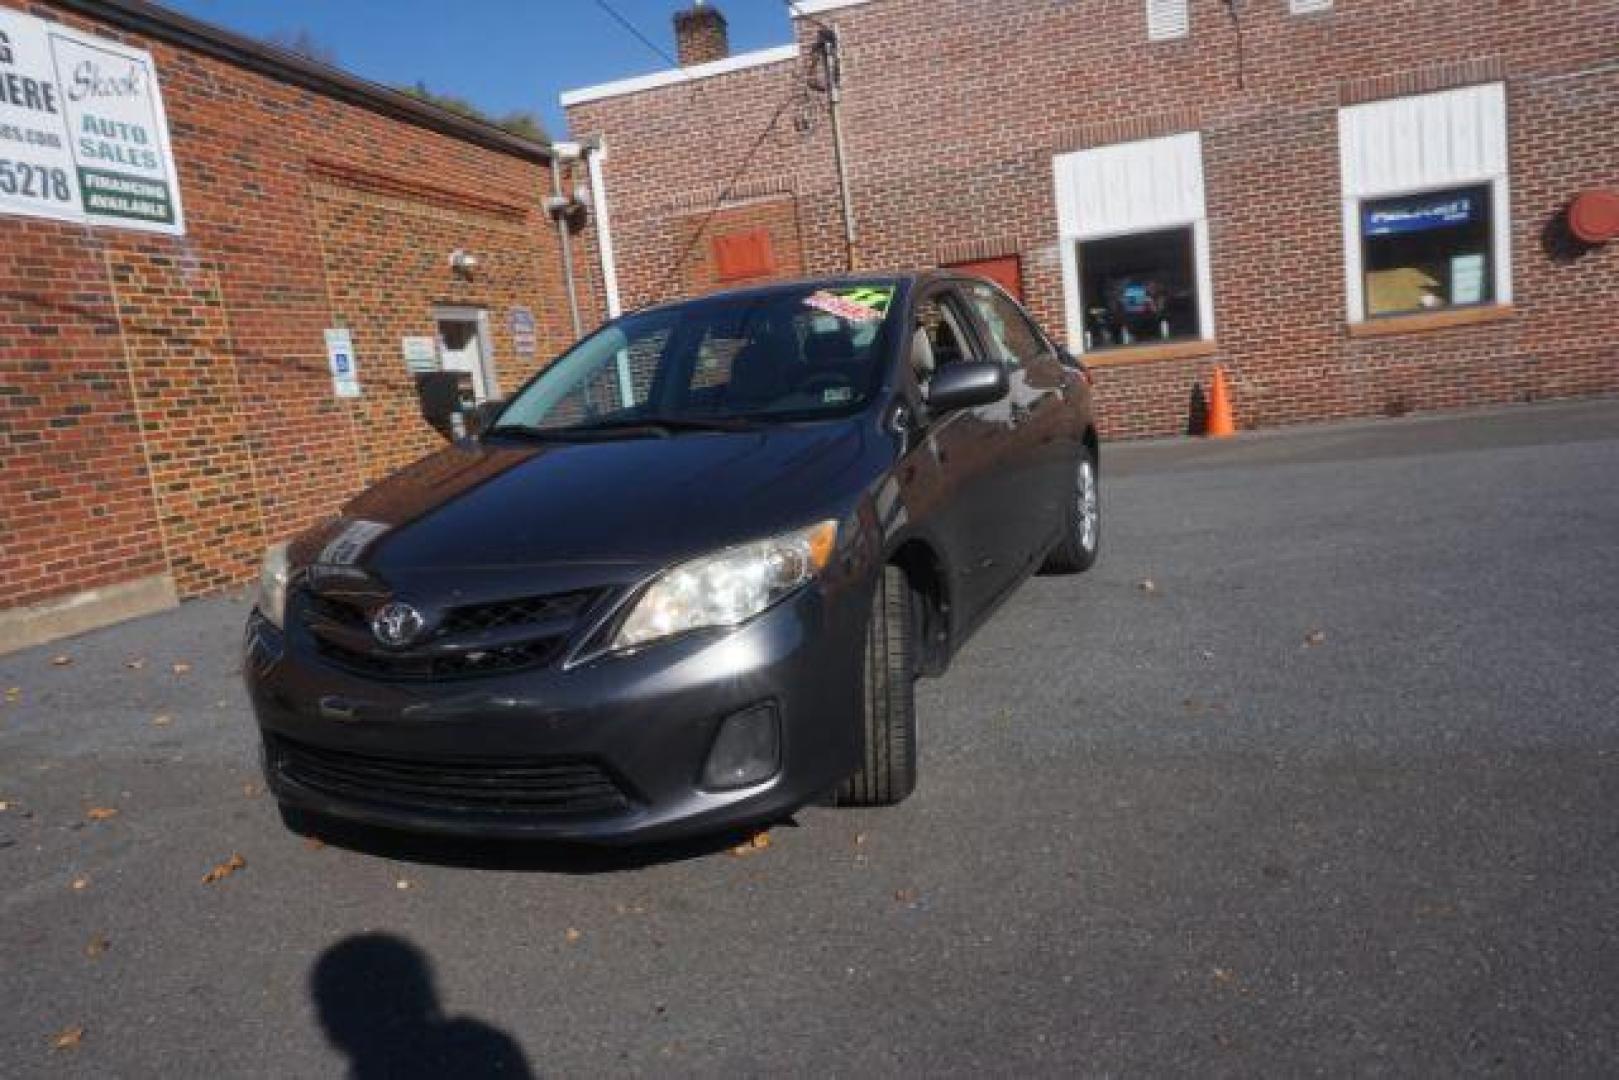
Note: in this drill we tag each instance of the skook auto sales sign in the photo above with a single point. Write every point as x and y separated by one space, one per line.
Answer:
83 136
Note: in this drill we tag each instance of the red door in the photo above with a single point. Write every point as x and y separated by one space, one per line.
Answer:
1005 271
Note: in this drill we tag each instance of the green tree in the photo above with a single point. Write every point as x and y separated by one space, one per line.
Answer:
305 44
525 124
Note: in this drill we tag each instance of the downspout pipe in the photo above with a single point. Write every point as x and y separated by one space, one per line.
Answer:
595 154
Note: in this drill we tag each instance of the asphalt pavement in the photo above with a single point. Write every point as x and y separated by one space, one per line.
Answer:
1316 772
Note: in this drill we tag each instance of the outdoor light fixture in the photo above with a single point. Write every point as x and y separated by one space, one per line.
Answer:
463 262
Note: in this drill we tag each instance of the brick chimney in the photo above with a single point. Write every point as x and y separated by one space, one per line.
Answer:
700 35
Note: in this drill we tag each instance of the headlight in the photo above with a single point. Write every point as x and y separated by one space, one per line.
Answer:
728 587
273 584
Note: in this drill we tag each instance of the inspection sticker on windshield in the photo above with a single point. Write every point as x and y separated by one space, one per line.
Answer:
863 304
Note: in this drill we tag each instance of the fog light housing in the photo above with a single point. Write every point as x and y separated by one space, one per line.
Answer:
746 751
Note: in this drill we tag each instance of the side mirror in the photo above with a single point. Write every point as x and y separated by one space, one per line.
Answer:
965 384
440 396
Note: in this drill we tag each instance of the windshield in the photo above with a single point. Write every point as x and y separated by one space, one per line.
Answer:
791 354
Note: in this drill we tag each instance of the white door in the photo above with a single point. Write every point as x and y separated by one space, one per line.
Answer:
461 347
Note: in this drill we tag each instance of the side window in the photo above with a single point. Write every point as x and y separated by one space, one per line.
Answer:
1012 338
940 336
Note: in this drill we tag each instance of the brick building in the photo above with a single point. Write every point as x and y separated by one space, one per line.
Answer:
1358 207
168 401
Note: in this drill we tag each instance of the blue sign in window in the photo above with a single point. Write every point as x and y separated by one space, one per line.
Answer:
1419 214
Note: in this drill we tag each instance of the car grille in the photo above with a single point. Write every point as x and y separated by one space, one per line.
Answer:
488 638
533 787
504 613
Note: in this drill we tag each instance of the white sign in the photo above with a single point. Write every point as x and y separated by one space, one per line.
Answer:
523 336
421 354
1467 279
345 368
83 135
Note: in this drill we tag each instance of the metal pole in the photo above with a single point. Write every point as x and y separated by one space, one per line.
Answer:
832 57
560 202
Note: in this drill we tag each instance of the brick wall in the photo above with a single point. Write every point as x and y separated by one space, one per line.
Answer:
955 109
165 404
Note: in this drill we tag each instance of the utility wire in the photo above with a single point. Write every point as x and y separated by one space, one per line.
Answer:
725 192
636 32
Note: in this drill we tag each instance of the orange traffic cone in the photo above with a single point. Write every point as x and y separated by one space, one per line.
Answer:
1220 425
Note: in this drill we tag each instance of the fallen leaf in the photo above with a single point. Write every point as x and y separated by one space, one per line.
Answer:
135 664
68 1038
224 869
4 806
1224 976
905 896
401 884
252 790
101 813
859 839
162 720
97 945
757 842
314 843
181 668
571 936
1439 910
1314 638
13 693
1147 585
81 884
61 661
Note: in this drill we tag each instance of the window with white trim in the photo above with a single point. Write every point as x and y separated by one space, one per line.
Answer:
1135 244
1167 19
1426 216
1308 7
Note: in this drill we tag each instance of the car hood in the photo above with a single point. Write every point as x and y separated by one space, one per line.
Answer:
634 501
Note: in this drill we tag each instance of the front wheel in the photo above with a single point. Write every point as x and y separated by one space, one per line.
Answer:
887 773
1082 521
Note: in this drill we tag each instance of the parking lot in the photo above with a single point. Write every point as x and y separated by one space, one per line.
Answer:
1317 771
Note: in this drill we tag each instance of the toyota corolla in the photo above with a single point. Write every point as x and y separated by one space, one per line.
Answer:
685 579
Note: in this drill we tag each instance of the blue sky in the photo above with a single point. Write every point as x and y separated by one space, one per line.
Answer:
502 55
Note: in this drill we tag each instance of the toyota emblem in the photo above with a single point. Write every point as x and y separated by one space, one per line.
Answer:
397 625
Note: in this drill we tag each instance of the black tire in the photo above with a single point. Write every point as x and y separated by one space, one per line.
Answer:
1078 548
888 773
295 820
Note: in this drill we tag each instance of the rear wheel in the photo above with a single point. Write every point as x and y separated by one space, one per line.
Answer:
888 772
1082 523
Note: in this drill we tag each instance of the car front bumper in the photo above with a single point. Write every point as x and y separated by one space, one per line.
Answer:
609 751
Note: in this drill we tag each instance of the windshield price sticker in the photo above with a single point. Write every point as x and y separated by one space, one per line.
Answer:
868 304
83 134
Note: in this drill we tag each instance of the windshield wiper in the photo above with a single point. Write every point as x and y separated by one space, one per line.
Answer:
671 423
541 434
627 426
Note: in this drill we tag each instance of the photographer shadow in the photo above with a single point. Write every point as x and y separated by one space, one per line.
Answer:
378 1005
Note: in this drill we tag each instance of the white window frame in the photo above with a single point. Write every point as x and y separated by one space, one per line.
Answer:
1076 227
1168 20
1410 146
1308 7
